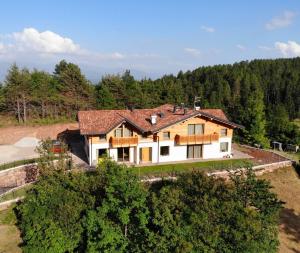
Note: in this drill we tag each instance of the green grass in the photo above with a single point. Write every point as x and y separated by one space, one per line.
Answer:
7 216
17 163
205 166
9 233
13 164
16 194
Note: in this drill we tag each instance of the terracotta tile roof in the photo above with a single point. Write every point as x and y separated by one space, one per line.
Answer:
103 121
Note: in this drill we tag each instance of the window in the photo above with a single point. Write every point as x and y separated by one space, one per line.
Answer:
195 129
224 146
119 132
102 137
102 153
223 132
122 131
127 132
166 135
164 150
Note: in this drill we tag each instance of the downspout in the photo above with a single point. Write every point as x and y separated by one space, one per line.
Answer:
157 148
91 151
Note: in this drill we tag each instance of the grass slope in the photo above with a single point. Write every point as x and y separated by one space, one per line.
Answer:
205 166
9 233
286 184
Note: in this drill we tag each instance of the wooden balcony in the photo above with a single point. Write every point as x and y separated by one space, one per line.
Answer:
196 139
117 142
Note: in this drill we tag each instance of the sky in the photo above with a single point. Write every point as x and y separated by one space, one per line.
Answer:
150 37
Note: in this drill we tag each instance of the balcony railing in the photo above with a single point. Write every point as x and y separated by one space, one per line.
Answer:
117 142
196 139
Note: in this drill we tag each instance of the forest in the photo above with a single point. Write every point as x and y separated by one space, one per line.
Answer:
262 95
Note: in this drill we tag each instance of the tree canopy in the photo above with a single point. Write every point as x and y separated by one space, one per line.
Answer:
110 210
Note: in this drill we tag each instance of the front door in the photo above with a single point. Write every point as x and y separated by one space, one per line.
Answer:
146 154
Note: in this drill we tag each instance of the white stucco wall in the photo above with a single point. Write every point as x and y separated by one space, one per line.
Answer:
212 151
177 152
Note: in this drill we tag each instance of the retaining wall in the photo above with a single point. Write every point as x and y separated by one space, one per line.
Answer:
17 176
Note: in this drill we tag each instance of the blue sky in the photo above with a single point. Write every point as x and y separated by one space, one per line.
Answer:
150 38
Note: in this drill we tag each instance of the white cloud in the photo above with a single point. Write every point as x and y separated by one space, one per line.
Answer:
208 29
289 49
241 47
281 21
47 42
192 51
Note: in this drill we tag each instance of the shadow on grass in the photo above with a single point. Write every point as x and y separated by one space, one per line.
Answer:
290 225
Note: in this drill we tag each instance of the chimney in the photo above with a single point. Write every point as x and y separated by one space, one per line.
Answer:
185 111
153 119
197 103
182 105
174 108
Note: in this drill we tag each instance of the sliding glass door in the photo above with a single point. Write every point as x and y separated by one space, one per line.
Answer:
194 151
123 154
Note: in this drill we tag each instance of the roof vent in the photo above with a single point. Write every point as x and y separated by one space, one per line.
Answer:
153 119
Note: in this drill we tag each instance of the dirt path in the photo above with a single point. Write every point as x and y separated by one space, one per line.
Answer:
10 135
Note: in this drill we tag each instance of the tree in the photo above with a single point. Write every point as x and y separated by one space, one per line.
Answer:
254 115
51 217
18 91
104 98
202 214
75 91
119 222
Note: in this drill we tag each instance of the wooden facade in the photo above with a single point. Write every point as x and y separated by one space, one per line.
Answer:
196 139
177 132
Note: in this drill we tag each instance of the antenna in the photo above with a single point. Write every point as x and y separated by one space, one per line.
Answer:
197 103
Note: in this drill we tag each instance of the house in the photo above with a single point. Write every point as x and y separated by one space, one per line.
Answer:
163 134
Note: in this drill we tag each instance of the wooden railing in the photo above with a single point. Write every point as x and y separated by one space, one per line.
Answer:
123 141
196 139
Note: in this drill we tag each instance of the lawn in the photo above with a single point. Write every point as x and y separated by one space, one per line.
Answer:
9 233
16 194
205 166
286 184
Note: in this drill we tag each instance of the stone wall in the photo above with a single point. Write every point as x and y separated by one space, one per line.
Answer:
18 176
